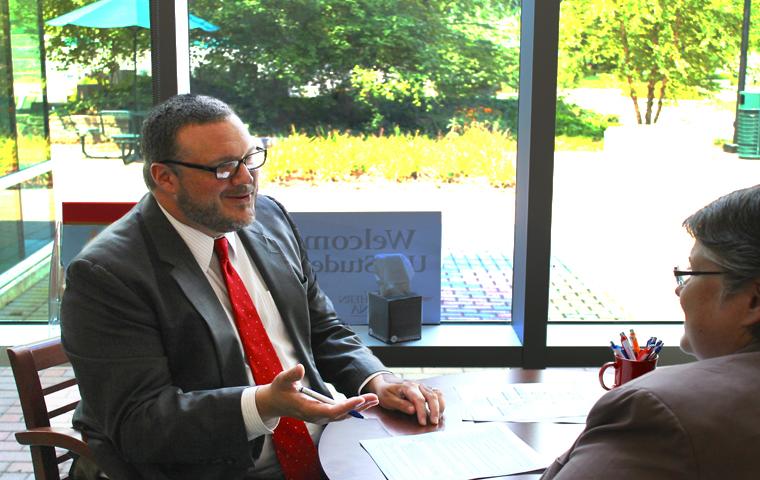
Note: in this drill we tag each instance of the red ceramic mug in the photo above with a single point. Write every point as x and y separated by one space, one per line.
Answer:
626 370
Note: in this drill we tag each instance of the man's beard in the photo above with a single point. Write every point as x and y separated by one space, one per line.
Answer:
210 216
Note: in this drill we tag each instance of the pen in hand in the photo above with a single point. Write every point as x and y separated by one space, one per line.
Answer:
318 396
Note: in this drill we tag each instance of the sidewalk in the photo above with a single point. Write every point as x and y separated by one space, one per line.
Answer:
15 460
475 287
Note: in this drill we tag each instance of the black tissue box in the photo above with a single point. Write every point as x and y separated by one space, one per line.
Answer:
395 319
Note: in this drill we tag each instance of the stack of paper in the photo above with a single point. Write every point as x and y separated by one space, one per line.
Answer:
479 451
527 402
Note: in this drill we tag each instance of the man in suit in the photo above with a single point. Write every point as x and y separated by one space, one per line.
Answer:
192 321
698 420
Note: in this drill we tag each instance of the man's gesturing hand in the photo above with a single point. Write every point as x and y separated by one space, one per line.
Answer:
281 398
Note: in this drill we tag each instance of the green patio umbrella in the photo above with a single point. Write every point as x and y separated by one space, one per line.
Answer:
120 14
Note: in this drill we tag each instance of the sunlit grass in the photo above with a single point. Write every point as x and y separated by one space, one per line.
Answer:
7 155
29 150
476 152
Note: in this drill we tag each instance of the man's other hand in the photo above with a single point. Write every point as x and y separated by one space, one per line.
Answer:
281 398
409 397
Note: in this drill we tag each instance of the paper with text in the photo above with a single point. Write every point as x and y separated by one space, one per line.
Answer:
527 402
480 451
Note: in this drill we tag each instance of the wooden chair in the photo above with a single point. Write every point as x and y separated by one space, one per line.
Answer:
42 438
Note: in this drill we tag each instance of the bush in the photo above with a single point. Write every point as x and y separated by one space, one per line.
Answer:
8 161
476 152
319 115
574 121
113 97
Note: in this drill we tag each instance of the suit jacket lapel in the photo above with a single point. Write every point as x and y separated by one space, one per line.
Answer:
185 270
287 292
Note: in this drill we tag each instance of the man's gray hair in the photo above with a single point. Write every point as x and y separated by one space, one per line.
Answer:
159 130
729 229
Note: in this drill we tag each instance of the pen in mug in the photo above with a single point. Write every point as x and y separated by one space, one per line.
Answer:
324 399
626 347
655 350
634 342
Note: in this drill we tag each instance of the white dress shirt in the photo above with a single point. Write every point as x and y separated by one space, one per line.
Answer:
202 248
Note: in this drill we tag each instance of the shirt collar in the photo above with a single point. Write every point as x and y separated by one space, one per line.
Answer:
200 244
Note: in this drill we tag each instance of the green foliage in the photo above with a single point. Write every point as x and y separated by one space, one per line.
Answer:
96 51
368 59
501 115
32 149
474 153
363 66
318 115
574 121
113 96
485 116
655 47
23 15
8 160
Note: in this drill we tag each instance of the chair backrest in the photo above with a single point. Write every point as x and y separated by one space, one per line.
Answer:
27 361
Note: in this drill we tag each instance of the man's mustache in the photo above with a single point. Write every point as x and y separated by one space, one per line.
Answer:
240 191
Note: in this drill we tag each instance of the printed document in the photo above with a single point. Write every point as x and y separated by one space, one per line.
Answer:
480 450
527 402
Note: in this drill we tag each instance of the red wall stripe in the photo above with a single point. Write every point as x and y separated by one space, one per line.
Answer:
94 212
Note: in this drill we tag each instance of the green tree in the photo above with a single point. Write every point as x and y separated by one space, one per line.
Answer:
655 47
359 54
97 52
310 61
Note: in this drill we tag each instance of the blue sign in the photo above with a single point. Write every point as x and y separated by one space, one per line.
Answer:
342 246
74 238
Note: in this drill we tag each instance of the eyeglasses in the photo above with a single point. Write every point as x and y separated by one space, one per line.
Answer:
682 274
223 171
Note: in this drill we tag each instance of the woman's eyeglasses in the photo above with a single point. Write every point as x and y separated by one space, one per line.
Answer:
682 275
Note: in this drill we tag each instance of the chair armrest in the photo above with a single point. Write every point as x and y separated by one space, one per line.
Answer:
66 438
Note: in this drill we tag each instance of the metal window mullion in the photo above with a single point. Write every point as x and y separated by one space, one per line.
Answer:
539 33
169 48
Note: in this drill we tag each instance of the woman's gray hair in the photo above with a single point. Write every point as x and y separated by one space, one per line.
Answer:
159 130
729 229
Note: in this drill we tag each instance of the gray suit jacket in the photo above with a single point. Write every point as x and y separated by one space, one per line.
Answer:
695 421
158 364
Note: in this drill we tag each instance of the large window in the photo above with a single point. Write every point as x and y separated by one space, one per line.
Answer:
99 78
659 87
383 106
75 96
413 106
26 201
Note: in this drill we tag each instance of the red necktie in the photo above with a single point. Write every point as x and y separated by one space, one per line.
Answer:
294 448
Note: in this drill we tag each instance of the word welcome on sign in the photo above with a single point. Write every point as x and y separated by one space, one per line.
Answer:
342 247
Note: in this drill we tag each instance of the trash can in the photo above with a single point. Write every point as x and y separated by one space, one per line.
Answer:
748 125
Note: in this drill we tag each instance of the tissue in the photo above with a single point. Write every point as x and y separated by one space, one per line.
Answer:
394 273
